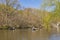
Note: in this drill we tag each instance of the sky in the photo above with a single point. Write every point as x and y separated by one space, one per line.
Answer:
34 4
31 3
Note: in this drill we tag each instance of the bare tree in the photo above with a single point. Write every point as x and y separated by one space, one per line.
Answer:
12 3
9 12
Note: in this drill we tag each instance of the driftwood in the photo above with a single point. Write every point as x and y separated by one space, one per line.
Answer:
56 26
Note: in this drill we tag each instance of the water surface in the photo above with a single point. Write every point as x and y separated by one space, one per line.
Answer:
28 35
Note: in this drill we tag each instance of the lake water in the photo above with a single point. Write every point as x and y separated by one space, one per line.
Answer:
28 35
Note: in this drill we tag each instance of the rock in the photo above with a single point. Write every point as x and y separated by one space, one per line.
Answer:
11 28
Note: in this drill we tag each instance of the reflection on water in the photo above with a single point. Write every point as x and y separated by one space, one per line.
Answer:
27 35
55 37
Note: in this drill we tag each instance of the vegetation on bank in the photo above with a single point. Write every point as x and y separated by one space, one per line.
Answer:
28 17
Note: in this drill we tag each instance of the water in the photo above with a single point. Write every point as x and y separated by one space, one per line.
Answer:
28 35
